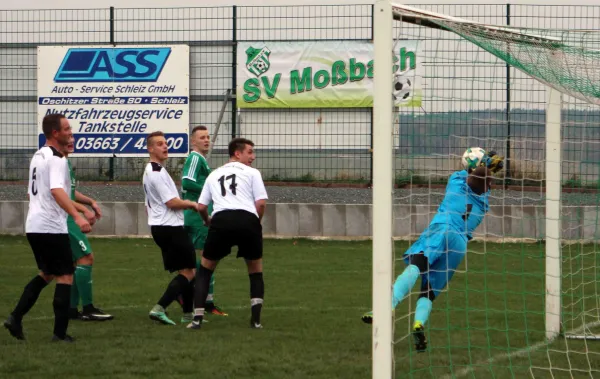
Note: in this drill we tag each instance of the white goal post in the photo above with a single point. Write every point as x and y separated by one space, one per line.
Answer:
383 258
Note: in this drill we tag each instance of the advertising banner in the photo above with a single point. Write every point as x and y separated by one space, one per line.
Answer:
322 74
115 96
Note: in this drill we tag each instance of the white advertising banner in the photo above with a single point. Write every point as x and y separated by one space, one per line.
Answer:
115 96
322 74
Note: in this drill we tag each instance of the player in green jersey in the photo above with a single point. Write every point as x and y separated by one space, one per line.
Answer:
82 253
195 172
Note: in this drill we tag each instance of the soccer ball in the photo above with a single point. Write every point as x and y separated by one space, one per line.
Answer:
260 65
473 157
402 89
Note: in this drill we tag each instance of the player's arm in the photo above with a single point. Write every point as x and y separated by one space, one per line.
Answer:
89 215
63 200
57 170
81 198
189 180
177 204
203 202
260 194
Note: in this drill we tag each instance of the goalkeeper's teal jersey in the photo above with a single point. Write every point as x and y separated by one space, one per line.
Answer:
195 172
453 210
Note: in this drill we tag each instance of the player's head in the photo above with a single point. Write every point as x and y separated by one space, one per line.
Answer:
57 129
200 139
157 146
69 148
480 180
242 150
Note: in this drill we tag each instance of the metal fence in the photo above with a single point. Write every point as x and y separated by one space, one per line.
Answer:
504 111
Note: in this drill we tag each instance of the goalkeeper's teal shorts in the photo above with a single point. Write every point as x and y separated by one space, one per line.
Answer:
445 248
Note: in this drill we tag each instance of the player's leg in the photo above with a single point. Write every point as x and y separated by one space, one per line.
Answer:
422 311
416 265
187 262
32 290
84 283
250 245
198 236
217 246
61 267
211 307
203 275
60 303
417 258
82 278
170 240
74 313
440 273
257 291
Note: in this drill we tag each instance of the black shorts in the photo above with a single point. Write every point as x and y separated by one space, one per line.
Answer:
234 228
177 249
52 253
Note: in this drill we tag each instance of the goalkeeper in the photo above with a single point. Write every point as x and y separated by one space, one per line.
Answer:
441 247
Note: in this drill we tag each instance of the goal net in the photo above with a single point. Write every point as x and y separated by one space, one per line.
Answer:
525 301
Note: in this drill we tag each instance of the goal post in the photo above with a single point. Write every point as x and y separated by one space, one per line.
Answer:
514 303
382 333
553 205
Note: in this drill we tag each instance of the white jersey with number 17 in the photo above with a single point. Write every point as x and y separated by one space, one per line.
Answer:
233 186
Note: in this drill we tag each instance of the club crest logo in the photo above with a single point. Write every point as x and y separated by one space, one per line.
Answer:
257 61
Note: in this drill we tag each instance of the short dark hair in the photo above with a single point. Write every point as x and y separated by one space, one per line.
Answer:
238 144
51 123
199 127
157 133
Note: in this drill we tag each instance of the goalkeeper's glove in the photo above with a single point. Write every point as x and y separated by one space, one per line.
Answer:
493 161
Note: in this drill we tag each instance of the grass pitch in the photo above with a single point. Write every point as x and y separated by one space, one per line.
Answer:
488 325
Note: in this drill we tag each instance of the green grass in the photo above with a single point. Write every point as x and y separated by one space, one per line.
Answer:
315 295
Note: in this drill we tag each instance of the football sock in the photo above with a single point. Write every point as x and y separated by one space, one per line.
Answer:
211 290
187 296
257 294
74 295
29 297
403 284
423 310
62 294
83 279
175 287
201 291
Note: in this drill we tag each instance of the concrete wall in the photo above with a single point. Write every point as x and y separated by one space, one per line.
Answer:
341 221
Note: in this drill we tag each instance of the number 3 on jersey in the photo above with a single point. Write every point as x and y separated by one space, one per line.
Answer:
232 184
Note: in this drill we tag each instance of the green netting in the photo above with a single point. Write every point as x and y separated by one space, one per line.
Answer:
567 60
490 322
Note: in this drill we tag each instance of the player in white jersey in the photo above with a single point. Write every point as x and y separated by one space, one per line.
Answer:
46 229
165 218
239 201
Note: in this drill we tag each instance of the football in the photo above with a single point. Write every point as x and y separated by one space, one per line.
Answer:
402 89
472 157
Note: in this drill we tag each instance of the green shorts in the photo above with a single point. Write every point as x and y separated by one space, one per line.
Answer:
80 245
197 235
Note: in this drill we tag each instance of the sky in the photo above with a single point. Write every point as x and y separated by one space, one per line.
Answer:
78 4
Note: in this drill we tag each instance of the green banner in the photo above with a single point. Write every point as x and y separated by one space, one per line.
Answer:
321 74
